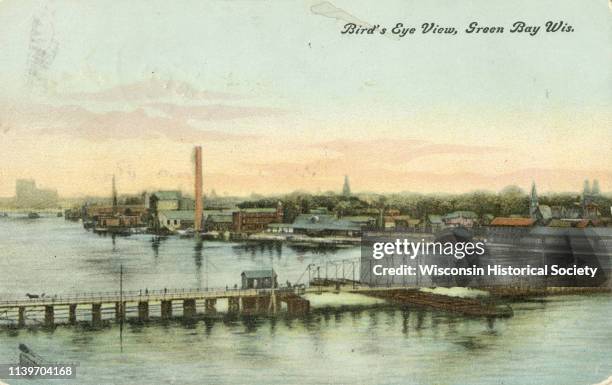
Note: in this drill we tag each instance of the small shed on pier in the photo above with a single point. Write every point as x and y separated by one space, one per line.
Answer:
259 279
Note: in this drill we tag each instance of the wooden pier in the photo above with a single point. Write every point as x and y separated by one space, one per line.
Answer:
250 301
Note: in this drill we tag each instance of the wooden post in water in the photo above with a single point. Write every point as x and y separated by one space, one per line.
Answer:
233 304
210 306
143 311
166 310
49 315
21 316
189 308
96 313
72 314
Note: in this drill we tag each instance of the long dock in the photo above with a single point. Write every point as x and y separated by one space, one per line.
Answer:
243 301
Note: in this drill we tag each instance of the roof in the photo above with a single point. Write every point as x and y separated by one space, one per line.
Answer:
559 223
259 210
319 210
461 214
323 222
257 274
220 218
514 222
435 219
545 211
359 218
182 215
280 225
167 195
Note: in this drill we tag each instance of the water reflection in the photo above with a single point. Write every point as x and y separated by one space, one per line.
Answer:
155 244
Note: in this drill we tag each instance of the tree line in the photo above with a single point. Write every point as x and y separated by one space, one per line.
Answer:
511 200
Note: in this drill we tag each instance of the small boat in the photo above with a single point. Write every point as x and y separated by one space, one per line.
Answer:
59 214
33 215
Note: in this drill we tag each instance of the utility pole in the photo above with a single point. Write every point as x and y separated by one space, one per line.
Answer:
121 307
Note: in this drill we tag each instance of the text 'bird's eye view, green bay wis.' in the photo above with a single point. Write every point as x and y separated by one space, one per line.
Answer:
306 192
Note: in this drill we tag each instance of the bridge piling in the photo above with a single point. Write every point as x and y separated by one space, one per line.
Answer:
21 316
166 310
262 304
72 314
189 308
210 306
143 311
49 315
249 305
233 305
119 311
96 313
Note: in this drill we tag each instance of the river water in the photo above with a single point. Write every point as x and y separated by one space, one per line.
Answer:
560 340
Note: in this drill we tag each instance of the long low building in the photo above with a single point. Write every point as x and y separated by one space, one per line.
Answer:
173 220
318 225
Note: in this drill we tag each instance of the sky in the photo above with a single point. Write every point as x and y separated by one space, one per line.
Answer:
280 100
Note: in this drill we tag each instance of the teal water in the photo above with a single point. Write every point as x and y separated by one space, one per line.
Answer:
562 340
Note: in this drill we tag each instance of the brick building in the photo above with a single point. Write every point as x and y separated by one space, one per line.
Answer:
256 220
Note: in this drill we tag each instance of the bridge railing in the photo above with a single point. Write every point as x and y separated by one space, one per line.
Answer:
144 295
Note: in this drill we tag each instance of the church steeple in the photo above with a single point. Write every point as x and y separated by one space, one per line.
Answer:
533 201
346 189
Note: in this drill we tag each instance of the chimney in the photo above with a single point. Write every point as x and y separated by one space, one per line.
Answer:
114 196
198 189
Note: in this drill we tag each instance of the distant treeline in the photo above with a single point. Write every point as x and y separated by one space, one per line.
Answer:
512 200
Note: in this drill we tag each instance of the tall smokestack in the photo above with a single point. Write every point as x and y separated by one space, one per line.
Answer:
114 196
198 189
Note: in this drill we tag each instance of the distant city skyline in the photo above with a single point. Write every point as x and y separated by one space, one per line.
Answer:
281 101
25 187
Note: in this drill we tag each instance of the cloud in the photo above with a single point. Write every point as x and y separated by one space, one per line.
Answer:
214 112
153 89
78 122
396 151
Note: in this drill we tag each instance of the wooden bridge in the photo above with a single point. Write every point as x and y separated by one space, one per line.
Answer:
333 277
249 301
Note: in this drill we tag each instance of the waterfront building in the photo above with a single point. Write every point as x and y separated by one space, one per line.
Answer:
559 223
319 211
173 220
259 279
165 200
406 223
460 218
434 223
255 220
324 225
542 214
27 195
218 221
286 228
365 222
116 216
